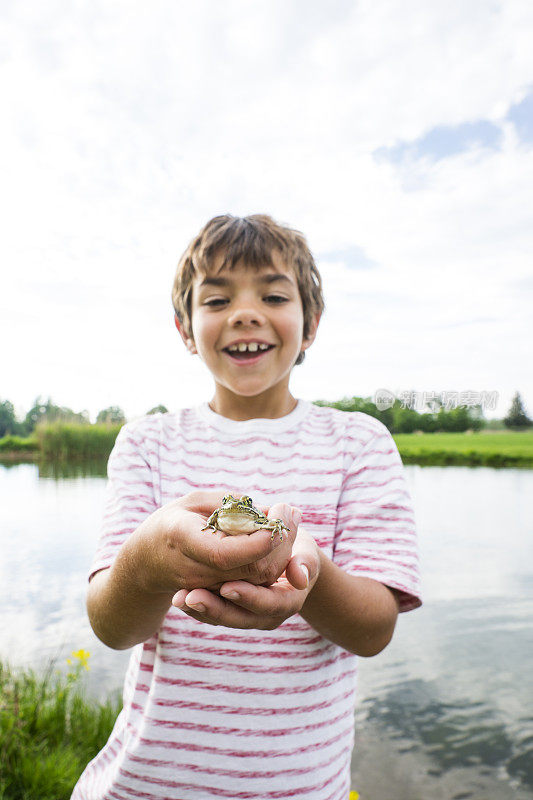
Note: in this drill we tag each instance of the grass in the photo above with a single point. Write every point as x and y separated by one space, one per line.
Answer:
485 448
49 731
69 443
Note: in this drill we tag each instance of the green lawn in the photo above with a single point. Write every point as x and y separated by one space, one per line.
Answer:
64 443
491 448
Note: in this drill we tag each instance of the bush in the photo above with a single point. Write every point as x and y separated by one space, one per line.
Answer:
18 444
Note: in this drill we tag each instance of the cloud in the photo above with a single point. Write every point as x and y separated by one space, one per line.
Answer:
353 256
127 127
521 115
444 141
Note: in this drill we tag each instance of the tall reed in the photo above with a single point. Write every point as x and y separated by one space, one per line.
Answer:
70 441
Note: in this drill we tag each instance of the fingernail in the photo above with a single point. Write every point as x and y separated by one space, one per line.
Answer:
199 607
230 595
305 572
178 601
296 517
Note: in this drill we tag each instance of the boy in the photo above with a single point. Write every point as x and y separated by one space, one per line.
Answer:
242 680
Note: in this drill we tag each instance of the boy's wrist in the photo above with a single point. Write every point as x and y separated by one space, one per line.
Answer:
136 562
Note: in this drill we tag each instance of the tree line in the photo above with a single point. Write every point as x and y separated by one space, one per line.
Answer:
398 418
46 411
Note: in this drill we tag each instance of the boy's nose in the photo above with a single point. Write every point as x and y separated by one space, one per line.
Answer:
246 315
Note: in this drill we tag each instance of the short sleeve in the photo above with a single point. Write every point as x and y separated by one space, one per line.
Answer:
375 534
129 496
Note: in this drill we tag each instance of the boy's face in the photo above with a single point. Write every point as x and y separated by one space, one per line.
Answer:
247 326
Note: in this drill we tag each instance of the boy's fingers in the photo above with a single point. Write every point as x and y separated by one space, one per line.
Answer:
217 549
297 574
235 552
278 600
214 610
289 515
179 598
204 501
296 516
228 552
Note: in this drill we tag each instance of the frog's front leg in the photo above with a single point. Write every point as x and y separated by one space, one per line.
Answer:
212 522
276 526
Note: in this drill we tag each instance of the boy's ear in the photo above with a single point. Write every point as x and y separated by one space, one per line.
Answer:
308 341
188 341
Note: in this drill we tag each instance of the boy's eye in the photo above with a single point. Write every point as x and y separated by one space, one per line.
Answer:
271 299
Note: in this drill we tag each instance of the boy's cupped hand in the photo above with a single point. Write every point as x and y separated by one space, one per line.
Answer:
176 554
262 605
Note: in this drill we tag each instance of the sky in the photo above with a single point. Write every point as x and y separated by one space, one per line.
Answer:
396 134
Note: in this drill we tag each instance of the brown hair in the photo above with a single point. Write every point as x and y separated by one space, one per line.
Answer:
252 240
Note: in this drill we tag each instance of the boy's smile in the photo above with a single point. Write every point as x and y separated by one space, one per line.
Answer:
245 351
247 326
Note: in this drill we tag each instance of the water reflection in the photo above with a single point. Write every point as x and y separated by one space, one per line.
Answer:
96 467
453 734
444 712
466 735
452 697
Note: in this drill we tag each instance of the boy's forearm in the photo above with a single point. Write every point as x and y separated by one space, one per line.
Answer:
121 611
358 614
128 602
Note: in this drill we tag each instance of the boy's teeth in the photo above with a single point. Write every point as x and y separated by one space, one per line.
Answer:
251 347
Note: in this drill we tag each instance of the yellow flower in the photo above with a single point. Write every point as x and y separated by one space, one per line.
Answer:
82 656
354 796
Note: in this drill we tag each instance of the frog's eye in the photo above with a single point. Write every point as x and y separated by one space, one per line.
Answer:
228 498
246 501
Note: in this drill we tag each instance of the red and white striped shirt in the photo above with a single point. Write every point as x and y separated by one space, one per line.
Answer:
215 713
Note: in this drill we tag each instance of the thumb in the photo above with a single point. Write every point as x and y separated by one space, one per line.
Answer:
303 568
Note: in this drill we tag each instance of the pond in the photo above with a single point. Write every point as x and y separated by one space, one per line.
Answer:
444 712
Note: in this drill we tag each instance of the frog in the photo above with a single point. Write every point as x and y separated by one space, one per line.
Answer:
236 517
